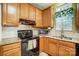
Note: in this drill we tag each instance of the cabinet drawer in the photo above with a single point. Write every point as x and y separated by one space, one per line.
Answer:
68 44
13 52
53 41
11 46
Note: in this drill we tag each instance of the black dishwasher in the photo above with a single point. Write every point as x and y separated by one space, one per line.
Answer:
77 49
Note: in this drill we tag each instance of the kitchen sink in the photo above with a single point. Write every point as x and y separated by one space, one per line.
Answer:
69 38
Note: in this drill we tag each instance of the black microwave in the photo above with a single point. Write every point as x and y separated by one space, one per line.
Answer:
43 31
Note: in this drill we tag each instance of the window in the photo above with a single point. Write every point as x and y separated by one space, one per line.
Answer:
64 17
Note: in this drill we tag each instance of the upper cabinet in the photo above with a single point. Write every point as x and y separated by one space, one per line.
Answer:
32 12
13 12
24 11
47 18
10 14
39 22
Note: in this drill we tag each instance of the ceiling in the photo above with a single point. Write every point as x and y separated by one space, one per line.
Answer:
42 6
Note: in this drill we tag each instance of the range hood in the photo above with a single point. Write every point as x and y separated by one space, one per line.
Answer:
27 22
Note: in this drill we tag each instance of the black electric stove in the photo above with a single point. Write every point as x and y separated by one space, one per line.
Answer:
25 36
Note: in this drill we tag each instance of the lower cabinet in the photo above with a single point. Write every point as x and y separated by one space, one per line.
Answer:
66 48
13 49
13 52
54 47
66 51
43 44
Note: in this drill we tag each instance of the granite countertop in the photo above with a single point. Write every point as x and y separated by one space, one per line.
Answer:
73 40
9 41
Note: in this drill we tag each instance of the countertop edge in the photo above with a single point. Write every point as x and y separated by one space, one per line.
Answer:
67 40
16 40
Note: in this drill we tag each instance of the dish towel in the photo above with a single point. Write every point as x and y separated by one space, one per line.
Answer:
34 43
30 45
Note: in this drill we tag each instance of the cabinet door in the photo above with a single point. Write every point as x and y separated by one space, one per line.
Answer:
62 51
66 51
32 12
24 11
43 44
10 14
46 44
52 47
47 17
39 18
0 51
13 52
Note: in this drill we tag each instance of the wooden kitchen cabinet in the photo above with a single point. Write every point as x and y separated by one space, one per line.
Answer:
66 51
10 14
43 44
52 47
32 12
39 22
24 11
62 51
13 52
13 49
66 48
47 18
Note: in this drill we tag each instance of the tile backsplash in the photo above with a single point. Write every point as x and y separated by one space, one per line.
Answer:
53 32
8 32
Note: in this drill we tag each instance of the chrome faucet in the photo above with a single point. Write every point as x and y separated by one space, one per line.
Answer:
63 36
62 32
